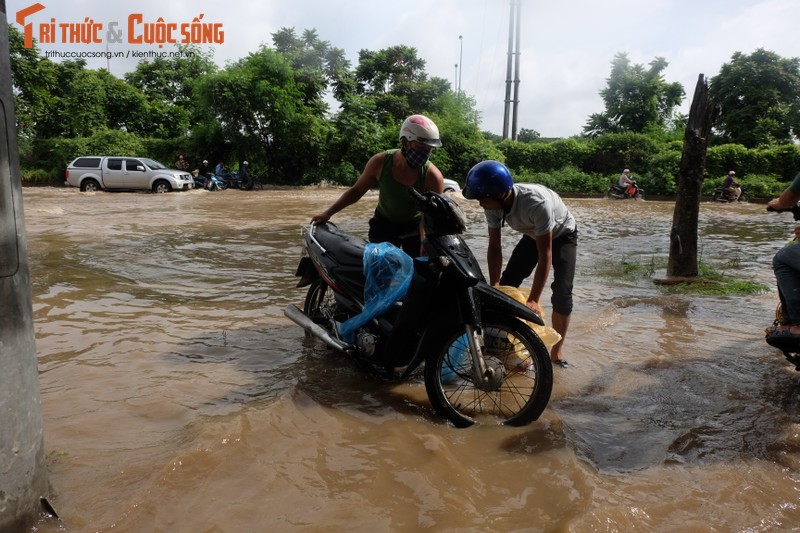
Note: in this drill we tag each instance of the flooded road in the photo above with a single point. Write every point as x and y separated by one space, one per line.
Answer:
177 397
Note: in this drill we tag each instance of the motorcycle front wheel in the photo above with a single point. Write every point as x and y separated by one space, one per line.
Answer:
516 389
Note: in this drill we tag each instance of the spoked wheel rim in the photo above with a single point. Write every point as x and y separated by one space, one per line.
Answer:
516 389
320 303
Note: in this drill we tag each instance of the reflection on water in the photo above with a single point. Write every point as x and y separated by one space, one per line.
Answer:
177 397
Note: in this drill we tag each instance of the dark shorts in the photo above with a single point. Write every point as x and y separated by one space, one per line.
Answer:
404 235
524 258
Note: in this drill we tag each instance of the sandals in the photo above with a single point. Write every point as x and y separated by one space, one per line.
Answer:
784 339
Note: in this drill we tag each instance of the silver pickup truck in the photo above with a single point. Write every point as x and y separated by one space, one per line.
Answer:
94 173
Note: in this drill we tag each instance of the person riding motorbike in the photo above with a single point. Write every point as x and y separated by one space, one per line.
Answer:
625 186
245 177
397 219
625 180
729 186
786 266
204 174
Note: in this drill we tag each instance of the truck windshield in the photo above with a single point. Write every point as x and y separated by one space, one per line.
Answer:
152 163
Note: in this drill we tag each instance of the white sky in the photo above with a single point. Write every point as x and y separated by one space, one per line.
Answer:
566 46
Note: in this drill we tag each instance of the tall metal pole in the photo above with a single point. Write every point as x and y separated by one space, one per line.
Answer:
508 71
455 80
460 61
516 75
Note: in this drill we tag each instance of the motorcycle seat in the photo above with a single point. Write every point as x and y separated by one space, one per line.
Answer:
348 249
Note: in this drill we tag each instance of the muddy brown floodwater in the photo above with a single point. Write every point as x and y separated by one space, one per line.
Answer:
177 397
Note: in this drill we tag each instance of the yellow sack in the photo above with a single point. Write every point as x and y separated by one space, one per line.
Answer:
548 335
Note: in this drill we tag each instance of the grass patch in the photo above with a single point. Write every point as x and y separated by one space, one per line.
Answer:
627 269
711 280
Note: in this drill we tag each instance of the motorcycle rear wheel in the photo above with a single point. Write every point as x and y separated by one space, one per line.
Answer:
523 375
320 304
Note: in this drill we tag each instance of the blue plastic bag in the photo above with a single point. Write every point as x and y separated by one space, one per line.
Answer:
455 360
388 271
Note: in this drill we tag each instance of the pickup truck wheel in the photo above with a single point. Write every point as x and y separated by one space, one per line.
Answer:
161 186
90 185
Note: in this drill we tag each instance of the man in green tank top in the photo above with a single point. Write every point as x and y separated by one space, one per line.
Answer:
397 219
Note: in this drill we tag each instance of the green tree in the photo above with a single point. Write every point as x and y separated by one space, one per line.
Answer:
172 80
526 135
38 84
354 138
260 108
395 79
169 86
636 99
319 66
760 99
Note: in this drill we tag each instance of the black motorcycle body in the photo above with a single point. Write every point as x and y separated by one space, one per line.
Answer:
721 195
480 359
788 344
201 182
632 192
233 180
238 181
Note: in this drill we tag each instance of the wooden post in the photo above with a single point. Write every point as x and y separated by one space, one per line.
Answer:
683 236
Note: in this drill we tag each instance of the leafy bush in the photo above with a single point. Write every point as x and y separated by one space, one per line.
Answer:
758 185
566 180
611 153
342 174
40 176
661 173
53 155
782 161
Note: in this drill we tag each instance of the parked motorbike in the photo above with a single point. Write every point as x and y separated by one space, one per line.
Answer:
721 195
481 360
619 192
788 344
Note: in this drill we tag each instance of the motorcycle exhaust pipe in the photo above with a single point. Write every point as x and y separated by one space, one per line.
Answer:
294 314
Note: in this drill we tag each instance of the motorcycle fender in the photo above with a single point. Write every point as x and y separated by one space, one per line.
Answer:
306 271
492 298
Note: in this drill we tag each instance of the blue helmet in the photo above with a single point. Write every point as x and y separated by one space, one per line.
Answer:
488 179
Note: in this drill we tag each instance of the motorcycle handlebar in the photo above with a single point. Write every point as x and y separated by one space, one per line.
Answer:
416 195
795 210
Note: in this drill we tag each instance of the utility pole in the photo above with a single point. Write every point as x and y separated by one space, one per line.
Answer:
455 80
516 77
512 27
460 60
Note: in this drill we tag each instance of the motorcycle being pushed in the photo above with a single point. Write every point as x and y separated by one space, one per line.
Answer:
481 362
620 192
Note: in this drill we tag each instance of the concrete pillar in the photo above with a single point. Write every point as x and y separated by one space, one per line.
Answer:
23 477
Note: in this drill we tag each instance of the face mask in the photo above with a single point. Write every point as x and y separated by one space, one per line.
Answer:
415 158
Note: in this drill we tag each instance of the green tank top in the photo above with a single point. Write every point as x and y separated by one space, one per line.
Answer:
394 203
